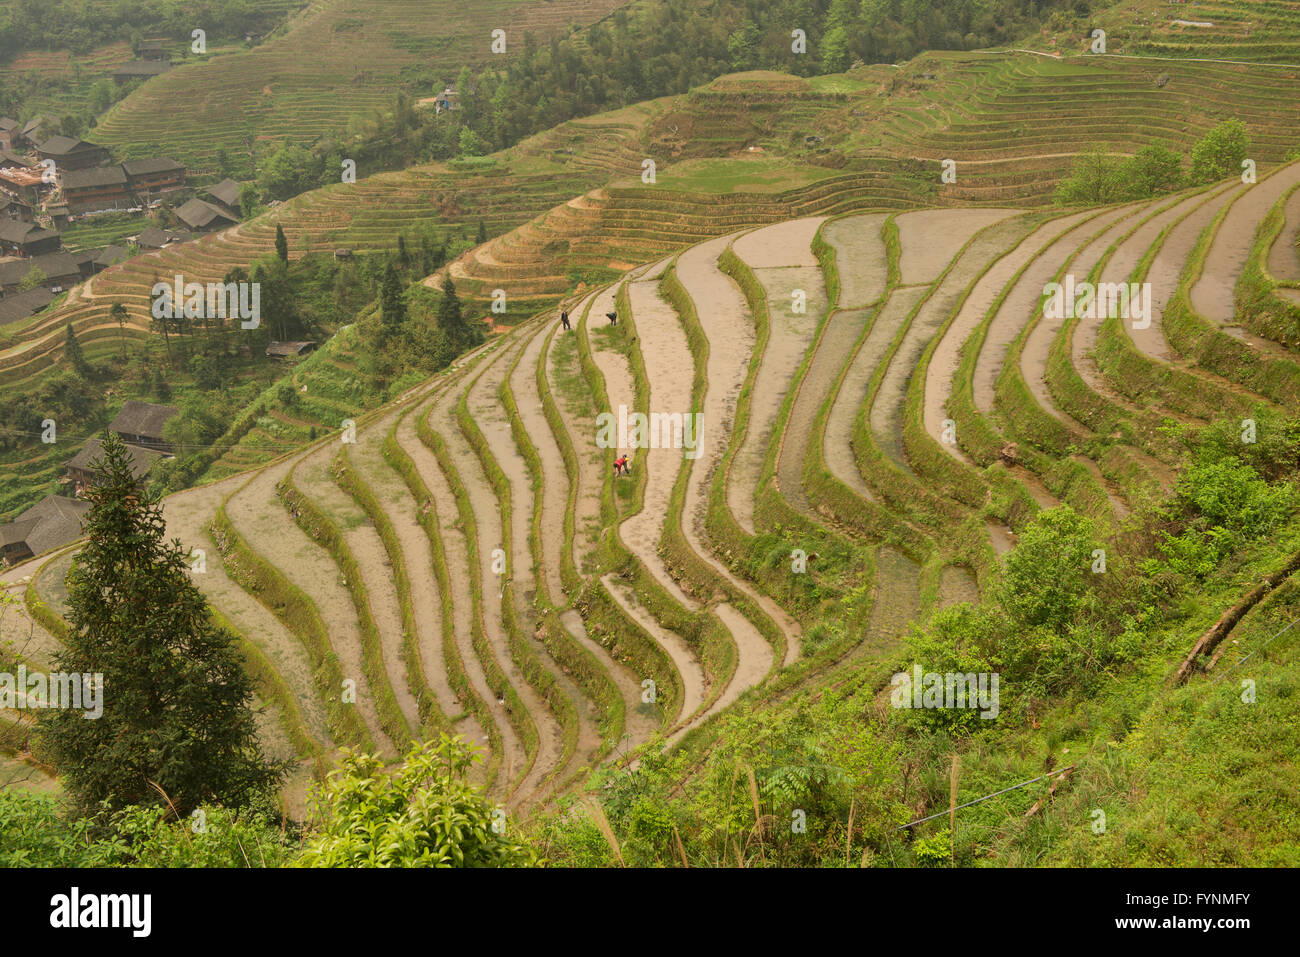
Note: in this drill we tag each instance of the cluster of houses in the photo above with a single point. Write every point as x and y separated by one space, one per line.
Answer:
84 180
56 520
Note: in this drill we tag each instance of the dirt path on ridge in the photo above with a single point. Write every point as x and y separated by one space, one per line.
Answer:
1213 294
729 328
188 515
265 524
455 548
493 421
790 335
314 479
1284 257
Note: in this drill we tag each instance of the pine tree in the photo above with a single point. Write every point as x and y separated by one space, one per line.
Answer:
392 306
175 698
72 352
281 243
451 320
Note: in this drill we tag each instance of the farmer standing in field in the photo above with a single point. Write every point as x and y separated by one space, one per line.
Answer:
612 317
564 320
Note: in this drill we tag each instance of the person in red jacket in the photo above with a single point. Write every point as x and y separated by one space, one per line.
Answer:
621 466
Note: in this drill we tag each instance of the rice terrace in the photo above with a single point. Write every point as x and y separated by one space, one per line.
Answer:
650 434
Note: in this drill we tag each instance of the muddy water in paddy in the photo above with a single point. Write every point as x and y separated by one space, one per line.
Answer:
897 600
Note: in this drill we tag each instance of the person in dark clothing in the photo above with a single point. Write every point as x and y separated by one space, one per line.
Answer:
612 317
564 320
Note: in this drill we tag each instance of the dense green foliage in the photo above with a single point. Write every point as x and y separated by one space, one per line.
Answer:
35 832
1220 152
422 814
80 27
650 50
176 727
1100 177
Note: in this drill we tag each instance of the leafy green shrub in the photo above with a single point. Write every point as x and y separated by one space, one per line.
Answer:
1152 170
1230 494
934 851
1219 152
1048 578
1218 506
424 814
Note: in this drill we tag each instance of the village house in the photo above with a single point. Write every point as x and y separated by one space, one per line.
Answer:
289 350
100 187
59 213
33 132
140 69
92 261
81 473
60 272
101 259
157 174
11 160
225 196
155 49
51 523
25 183
26 239
69 153
141 423
23 305
448 99
14 209
203 217
156 238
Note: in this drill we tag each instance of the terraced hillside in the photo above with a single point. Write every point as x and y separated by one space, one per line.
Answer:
852 418
874 139
1258 32
336 61
570 206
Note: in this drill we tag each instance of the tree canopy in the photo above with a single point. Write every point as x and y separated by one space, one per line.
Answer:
175 719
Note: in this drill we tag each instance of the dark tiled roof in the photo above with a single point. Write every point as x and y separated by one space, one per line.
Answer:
143 418
93 451
109 255
54 265
93 177
50 523
23 304
197 214
63 145
154 164
227 192
8 123
288 348
15 232
14 533
155 238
